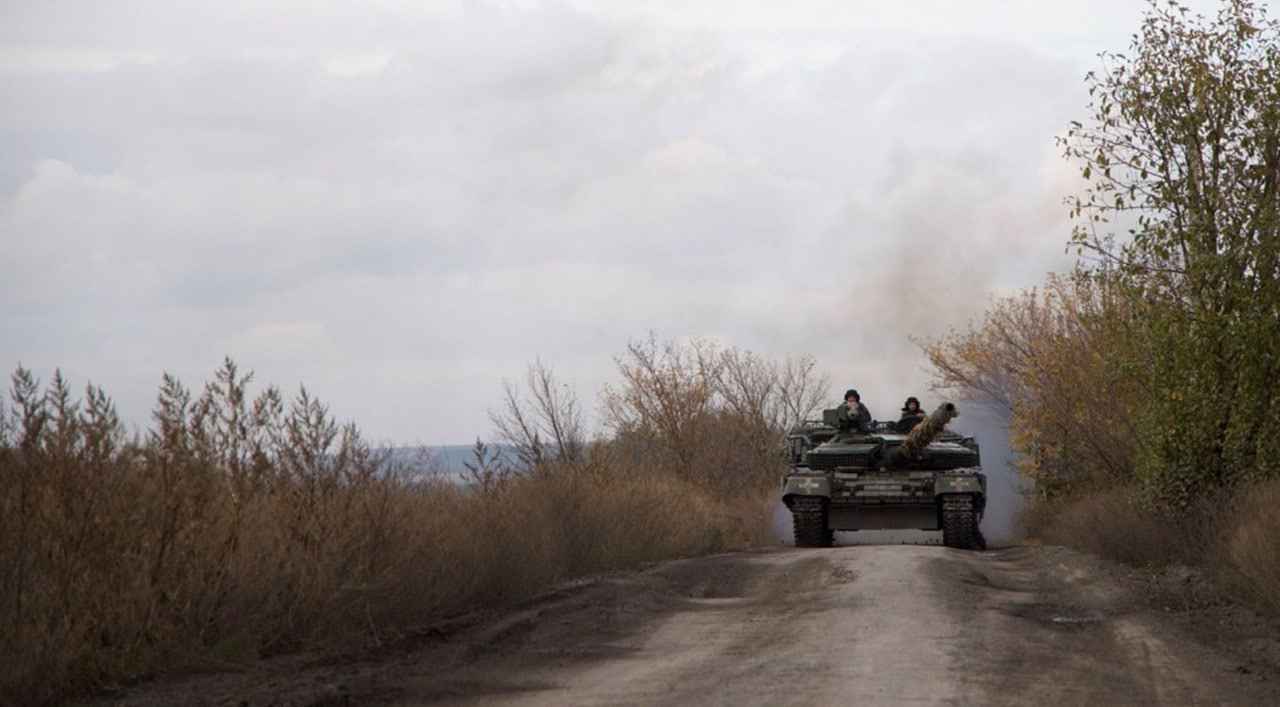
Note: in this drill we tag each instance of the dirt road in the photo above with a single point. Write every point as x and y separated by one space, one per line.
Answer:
859 625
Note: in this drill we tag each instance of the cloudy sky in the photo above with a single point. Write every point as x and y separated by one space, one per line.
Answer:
400 203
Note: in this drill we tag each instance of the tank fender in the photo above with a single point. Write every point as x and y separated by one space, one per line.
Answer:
959 483
806 486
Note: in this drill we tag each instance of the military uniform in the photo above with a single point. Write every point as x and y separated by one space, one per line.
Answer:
853 418
910 419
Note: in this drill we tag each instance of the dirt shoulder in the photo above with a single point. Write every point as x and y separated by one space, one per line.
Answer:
861 624
1059 627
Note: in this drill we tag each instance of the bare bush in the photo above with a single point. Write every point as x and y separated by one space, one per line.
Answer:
486 471
541 422
240 525
801 389
709 415
665 402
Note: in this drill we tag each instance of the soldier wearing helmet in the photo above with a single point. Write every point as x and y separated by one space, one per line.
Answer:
912 415
852 414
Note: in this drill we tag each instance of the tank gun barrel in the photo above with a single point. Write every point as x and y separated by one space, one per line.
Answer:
927 431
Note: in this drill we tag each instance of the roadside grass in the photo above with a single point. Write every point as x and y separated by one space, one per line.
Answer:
1233 536
1253 547
236 529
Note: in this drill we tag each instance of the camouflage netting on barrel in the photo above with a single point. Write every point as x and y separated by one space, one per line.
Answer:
928 430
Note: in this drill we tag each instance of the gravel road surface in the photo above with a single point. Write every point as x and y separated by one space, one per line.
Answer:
863 625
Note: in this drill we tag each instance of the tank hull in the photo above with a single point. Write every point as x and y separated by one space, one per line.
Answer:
886 517
877 479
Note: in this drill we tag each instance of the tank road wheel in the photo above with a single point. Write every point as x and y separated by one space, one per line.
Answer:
809 521
960 523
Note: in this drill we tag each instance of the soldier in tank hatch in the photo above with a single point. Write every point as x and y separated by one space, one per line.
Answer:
852 414
912 415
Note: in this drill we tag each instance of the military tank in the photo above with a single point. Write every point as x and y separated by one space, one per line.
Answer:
927 478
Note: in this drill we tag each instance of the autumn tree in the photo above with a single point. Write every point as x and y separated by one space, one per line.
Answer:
1181 159
1048 359
1154 361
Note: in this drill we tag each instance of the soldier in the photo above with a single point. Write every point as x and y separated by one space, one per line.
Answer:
852 414
912 415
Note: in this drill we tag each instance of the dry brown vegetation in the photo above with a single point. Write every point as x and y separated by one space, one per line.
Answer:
1050 359
1113 524
711 416
1054 359
240 526
1252 550
1231 535
1141 388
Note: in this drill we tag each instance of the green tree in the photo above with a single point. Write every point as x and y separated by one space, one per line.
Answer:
1182 161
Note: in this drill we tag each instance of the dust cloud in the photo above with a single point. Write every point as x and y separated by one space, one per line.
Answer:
1006 491
919 255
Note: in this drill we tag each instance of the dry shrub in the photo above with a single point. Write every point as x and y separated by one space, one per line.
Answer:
237 527
1234 536
1112 523
1047 358
1252 557
596 517
712 416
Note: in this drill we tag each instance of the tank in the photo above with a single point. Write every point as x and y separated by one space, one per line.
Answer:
927 478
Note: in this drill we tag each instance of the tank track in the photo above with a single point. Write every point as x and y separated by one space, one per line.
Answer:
809 522
960 524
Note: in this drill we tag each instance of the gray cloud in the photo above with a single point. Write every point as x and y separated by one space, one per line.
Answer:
401 203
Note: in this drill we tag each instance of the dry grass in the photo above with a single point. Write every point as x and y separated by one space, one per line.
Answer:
1112 524
1253 547
1235 537
235 529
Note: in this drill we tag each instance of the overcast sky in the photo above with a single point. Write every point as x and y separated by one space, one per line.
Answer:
400 203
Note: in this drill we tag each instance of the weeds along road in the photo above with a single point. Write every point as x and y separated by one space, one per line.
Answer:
851 625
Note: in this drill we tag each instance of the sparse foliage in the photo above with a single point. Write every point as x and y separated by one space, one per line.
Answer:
715 416
486 471
541 422
1157 363
1183 152
121 552
1050 359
